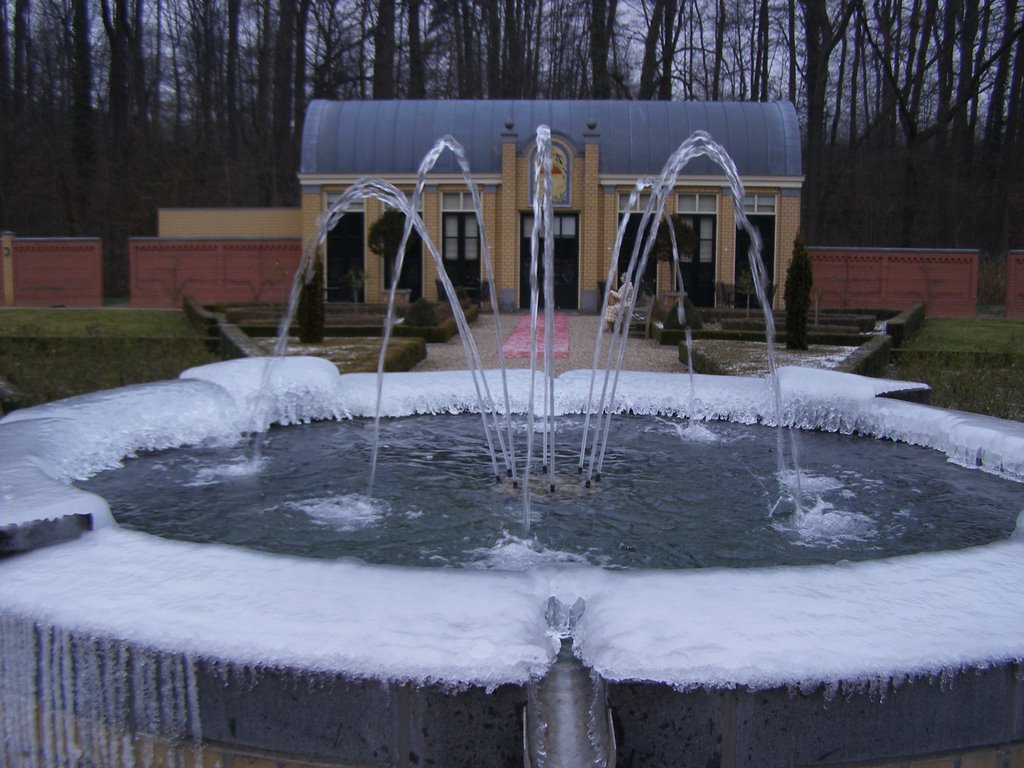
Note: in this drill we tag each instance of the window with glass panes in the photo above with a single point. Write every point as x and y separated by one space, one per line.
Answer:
411 278
461 238
700 211
345 256
634 216
639 205
760 209
759 204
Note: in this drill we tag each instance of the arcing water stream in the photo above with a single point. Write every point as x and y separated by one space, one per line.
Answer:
557 740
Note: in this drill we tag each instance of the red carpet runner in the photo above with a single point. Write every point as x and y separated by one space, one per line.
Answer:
518 342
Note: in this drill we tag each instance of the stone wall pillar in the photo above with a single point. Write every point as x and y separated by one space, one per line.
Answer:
7 267
506 245
590 232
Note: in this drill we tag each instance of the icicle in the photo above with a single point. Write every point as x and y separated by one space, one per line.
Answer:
192 697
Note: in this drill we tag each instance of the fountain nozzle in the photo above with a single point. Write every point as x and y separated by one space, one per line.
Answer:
562 618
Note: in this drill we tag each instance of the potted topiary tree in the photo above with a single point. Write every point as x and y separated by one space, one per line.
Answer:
686 242
385 238
354 280
745 285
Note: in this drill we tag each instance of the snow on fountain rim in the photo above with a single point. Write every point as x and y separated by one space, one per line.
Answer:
923 614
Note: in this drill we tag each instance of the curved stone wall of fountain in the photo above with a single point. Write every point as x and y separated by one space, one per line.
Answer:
118 648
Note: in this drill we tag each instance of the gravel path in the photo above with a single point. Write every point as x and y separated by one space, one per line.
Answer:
749 359
641 354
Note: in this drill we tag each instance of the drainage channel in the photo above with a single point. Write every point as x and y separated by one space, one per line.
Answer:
567 722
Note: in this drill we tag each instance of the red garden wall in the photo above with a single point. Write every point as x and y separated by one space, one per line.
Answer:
1015 284
164 270
894 278
48 272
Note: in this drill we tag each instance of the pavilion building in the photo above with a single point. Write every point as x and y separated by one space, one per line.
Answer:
600 149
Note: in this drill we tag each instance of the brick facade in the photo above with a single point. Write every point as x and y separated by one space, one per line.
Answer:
945 281
47 272
1015 284
164 271
594 199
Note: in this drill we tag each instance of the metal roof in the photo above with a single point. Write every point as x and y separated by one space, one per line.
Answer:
635 137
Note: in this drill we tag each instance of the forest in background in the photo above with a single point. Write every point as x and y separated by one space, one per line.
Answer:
910 110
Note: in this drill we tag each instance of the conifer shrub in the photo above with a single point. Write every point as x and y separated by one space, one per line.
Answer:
693 319
311 307
799 281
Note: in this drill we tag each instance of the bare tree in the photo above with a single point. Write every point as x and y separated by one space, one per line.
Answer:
602 24
821 34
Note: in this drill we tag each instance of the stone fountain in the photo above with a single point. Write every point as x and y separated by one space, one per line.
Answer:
121 648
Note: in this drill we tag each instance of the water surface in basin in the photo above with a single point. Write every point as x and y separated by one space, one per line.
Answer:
673 495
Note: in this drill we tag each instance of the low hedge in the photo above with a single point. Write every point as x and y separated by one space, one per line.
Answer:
432 334
672 336
905 324
845 329
702 363
882 313
362 354
404 355
668 336
46 368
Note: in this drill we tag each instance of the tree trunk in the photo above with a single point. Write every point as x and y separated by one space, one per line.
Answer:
384 51
600 82
669 45
140 88
417 68
5 63
649 69
995 167
115 23
231 85
791 29
719 56
299 112
759 91
82 149
22 46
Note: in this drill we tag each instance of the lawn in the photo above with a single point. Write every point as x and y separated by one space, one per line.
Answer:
48 354
122 323
989 335
972 364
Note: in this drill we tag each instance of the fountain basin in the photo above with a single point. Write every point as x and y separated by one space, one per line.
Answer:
768 661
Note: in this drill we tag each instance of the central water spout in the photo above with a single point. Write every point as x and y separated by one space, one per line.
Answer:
567 723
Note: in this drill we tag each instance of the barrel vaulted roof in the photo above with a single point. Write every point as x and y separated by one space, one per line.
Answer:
635 137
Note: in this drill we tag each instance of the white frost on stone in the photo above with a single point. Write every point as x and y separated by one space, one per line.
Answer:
758 627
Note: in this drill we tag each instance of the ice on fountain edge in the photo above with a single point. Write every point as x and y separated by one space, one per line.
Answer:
857 622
